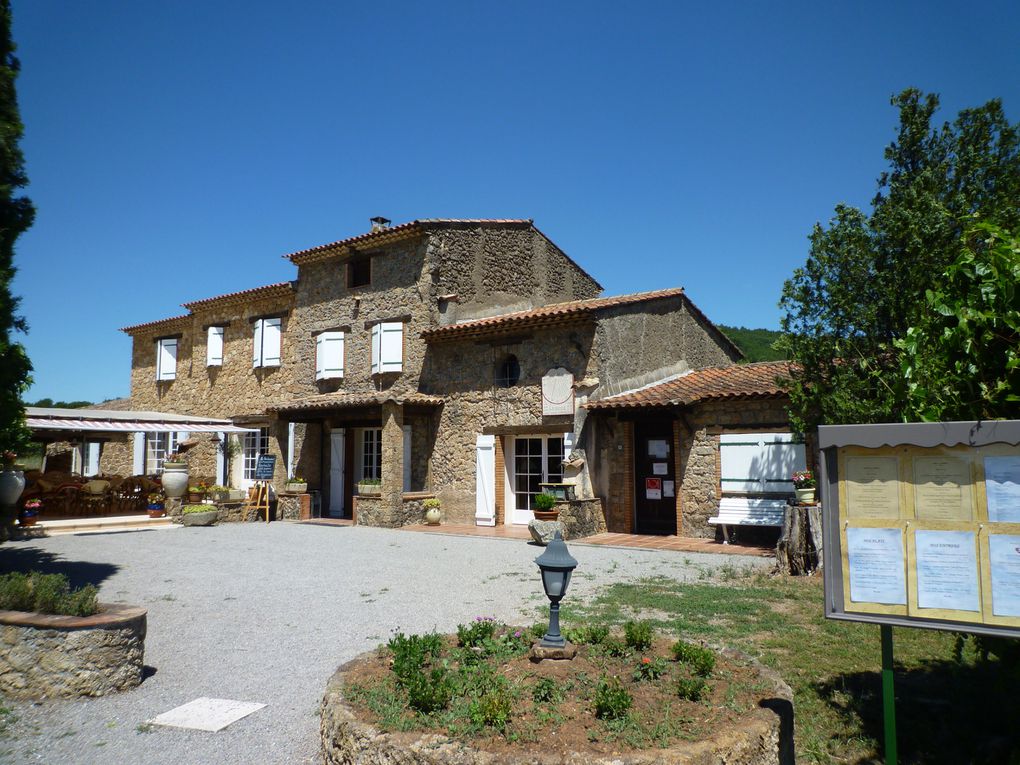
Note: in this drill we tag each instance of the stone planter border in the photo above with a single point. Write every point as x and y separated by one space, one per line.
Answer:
49 656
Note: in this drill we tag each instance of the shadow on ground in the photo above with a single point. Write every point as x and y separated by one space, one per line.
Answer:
946 713
78 573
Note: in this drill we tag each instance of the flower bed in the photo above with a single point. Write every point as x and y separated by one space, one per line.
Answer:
478 697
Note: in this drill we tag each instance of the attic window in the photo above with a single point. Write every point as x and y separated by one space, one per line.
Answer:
359 273
508 372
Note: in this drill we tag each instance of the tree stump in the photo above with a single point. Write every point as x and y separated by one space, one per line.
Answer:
799 550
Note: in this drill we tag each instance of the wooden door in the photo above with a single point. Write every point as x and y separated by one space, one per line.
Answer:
654 478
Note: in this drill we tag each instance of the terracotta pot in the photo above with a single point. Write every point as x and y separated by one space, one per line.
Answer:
12 483
546 515
28 520
157 512
196 497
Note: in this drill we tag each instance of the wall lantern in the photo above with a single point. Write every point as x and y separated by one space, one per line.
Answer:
556 565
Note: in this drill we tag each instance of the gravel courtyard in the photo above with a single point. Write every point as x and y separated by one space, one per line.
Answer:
265 613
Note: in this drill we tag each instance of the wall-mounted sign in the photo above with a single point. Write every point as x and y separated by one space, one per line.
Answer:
653 488
924 523
557 392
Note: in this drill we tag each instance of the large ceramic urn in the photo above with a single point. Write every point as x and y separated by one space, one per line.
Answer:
175 479
12 483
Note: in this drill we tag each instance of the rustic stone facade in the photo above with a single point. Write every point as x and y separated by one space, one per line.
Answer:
45 657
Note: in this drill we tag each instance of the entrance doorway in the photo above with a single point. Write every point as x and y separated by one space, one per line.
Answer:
654 478
536 459
337 472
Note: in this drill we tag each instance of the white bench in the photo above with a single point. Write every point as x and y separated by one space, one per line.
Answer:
746 511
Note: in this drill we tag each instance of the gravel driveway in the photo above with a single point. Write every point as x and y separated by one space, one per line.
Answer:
266 613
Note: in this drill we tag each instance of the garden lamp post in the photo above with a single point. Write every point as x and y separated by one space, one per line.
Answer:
556 565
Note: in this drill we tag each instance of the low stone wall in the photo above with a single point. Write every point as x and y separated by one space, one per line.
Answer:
761 736
288 506
581 518
44 656
380 511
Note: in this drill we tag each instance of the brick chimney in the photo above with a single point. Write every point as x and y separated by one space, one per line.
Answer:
379 223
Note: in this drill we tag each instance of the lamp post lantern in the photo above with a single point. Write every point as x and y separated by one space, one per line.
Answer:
556 565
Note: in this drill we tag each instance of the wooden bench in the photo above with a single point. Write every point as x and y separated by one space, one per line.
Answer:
746 511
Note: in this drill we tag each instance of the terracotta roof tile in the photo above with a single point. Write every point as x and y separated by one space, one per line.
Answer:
153 324
269 290
350 400
395 233
548 314
708 384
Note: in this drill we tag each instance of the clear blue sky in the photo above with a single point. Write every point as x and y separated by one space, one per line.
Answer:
177 149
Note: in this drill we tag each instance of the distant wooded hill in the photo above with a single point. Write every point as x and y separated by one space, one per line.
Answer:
755 343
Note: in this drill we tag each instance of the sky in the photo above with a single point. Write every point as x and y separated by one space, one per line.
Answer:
177 150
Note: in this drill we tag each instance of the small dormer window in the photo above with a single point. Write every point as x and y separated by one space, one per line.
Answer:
508 372
359 273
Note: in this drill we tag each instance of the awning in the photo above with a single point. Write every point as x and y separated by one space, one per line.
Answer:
132 426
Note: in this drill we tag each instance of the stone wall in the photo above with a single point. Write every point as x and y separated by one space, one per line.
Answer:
581 518
45 657
408 510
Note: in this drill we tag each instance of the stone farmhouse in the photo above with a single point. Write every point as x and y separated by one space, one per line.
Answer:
470 360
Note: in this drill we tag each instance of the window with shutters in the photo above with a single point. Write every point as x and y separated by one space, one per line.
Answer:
760 463
387 347
166 358
214 347
329 355
157 446
266 344
256 442
536 460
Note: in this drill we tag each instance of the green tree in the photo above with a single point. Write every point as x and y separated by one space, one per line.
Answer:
757 344
962 360
866 277
16 215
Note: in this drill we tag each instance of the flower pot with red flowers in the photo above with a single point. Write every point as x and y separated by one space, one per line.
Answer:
805 486
30 512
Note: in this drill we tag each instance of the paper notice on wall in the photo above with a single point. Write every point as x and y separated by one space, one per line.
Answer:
1002 486
653 488
942 489
658 448
876 562
947 570
660 468
872 488
1004 560
668 489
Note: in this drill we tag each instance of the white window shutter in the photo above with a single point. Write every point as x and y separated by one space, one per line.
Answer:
138 454
221 460
256 360
485 479
757 463
166 359
568 444
214 347
376 335
391 346
329 355
271 337
91 466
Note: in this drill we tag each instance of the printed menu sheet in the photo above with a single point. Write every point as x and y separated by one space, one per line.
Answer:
1004 559
1002 488
872 487
942 489
876 562
947 570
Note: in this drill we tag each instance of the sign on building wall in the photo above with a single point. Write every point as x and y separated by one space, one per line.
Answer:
557 392
265 467
924 522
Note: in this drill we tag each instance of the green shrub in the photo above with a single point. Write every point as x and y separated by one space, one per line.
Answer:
428 692
431 502
411 652
538 629
46 594
475 634
701 660
638 635
546 690
544 501
611 700
650 669
198 509
492 709
586 634
691 688
613 647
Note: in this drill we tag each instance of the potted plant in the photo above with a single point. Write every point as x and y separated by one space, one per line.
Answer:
196 491
12 480
199 515
370 487
432 511
804 486
544 508
156 504
175 475
30 512
218 493
295 485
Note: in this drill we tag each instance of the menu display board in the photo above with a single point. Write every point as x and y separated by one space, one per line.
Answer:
926 524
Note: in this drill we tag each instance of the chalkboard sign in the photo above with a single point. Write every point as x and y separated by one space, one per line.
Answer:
265 467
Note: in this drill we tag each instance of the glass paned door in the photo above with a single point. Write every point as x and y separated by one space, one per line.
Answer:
536 460
256 442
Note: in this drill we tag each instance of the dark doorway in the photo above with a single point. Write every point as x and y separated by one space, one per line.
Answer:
654 479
